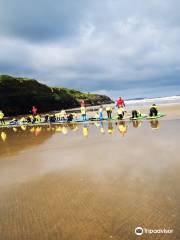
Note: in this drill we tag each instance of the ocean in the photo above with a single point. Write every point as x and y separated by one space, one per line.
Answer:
145 102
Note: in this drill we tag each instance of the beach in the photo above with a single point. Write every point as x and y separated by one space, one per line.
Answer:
91 180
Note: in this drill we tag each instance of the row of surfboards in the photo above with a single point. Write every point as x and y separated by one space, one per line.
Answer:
142 117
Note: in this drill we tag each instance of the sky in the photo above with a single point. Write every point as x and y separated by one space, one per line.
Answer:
120 48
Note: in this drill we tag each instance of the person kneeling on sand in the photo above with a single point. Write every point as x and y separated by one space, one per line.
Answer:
153 110
69 117
28 119
62 115
58 116
2 117
52 118
46 118
136 114
22 120
120 112
13 121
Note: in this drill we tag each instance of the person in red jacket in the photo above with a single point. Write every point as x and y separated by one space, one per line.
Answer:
34 110
82 103
120 103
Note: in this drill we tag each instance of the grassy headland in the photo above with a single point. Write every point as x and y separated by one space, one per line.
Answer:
18 95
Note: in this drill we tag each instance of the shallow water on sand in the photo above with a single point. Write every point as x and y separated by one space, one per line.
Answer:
91 181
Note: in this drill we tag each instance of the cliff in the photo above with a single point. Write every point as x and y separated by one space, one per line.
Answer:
18 95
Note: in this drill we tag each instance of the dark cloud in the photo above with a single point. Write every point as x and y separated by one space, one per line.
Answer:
40 20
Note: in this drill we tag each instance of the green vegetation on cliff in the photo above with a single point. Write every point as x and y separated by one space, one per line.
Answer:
18 95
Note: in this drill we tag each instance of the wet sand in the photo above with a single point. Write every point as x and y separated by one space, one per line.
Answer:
90 181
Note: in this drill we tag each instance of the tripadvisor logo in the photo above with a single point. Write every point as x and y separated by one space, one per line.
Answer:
139 231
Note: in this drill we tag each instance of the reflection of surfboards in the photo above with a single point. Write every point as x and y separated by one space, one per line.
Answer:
143 116
117 119
98 119
79 120
156 117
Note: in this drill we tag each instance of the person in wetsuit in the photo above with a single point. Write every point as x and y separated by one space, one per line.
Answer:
69 117
153 110
136 114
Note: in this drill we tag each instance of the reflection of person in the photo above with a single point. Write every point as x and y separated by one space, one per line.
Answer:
110 127
109 111
85 130
101 127
37 131
136 124
155 124
153 110
3 136
122 128
64 130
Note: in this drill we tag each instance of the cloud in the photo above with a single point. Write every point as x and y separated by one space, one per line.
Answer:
112 46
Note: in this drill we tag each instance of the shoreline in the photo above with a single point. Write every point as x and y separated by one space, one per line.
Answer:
172 111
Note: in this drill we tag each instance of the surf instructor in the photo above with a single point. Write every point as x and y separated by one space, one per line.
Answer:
120 102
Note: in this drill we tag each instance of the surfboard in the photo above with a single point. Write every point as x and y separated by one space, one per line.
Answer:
143 116
160 115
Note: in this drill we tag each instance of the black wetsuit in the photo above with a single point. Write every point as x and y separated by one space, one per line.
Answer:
69 117
153 111
134 114
109 113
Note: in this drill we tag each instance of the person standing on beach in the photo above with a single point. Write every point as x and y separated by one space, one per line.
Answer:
101 113
120 103
82 103
109 112
83 113
34 110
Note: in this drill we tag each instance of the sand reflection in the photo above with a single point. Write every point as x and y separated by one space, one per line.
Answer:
92 181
